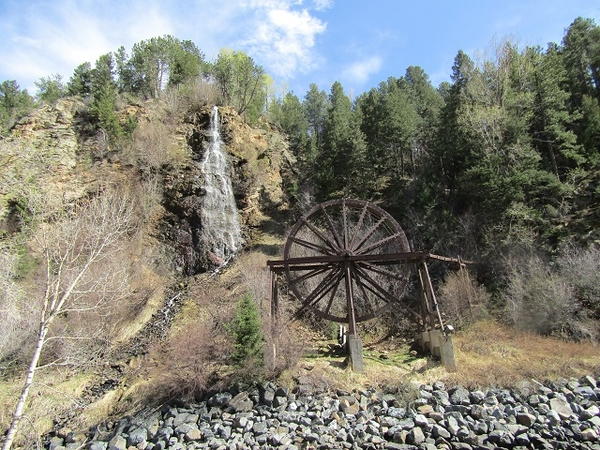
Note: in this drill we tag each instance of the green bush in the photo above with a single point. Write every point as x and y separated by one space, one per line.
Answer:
246 331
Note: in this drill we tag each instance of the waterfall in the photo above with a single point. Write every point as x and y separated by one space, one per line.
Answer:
220 223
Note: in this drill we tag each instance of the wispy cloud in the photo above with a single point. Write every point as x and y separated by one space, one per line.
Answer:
56 37
359 71
322 5
283 40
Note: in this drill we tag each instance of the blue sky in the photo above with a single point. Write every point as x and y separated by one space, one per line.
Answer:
356 42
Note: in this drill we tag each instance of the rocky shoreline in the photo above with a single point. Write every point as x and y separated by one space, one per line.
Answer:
559 415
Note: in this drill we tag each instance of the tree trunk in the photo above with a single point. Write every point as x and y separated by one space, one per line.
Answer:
12 431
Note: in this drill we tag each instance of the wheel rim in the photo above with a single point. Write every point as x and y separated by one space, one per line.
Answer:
342 239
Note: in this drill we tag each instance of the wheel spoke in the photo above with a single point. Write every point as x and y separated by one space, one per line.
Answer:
359 283
320 235
381 271
381 242
380 295
311 245
383 294
331 298
358 226
313 273
326 285
368 234
345 223
331 226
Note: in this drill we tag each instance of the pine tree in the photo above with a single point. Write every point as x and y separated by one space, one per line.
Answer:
104 91
334 160
50 88
81 81
14 104
246 332
315 106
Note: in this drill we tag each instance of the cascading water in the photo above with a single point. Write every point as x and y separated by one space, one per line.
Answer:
220 222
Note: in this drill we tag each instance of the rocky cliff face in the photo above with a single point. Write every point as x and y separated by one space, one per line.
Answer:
40 155
52 152
257 158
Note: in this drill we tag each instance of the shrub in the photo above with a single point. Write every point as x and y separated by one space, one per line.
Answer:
543 299
255 276
582 268
284 346
17 321
190 360
246 331
461 300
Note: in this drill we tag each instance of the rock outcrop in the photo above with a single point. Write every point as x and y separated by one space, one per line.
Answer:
56 152
257 160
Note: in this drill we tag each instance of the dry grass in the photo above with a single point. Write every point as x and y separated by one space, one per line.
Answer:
490 354
99 410
51 396
149 292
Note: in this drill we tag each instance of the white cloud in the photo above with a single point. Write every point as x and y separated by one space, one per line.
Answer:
360 71
57 37
283 39
322 5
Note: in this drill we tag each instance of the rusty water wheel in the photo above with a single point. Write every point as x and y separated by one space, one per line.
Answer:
336 260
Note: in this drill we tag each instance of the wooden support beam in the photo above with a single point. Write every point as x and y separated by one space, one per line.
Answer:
434 339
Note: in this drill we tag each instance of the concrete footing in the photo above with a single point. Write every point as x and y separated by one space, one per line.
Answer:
355 353
440 346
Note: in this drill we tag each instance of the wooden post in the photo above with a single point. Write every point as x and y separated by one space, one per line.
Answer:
427 302
437 341
355 352
431 295
274 311
274 296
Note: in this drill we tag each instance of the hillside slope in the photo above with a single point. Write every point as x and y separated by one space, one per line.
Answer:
165 340
53 162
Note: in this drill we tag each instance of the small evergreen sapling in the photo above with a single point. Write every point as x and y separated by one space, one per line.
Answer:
246 331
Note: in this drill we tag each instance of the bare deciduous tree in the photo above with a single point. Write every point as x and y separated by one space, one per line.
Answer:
75 245
13 312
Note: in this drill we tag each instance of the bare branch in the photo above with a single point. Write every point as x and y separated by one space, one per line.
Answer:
74 242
